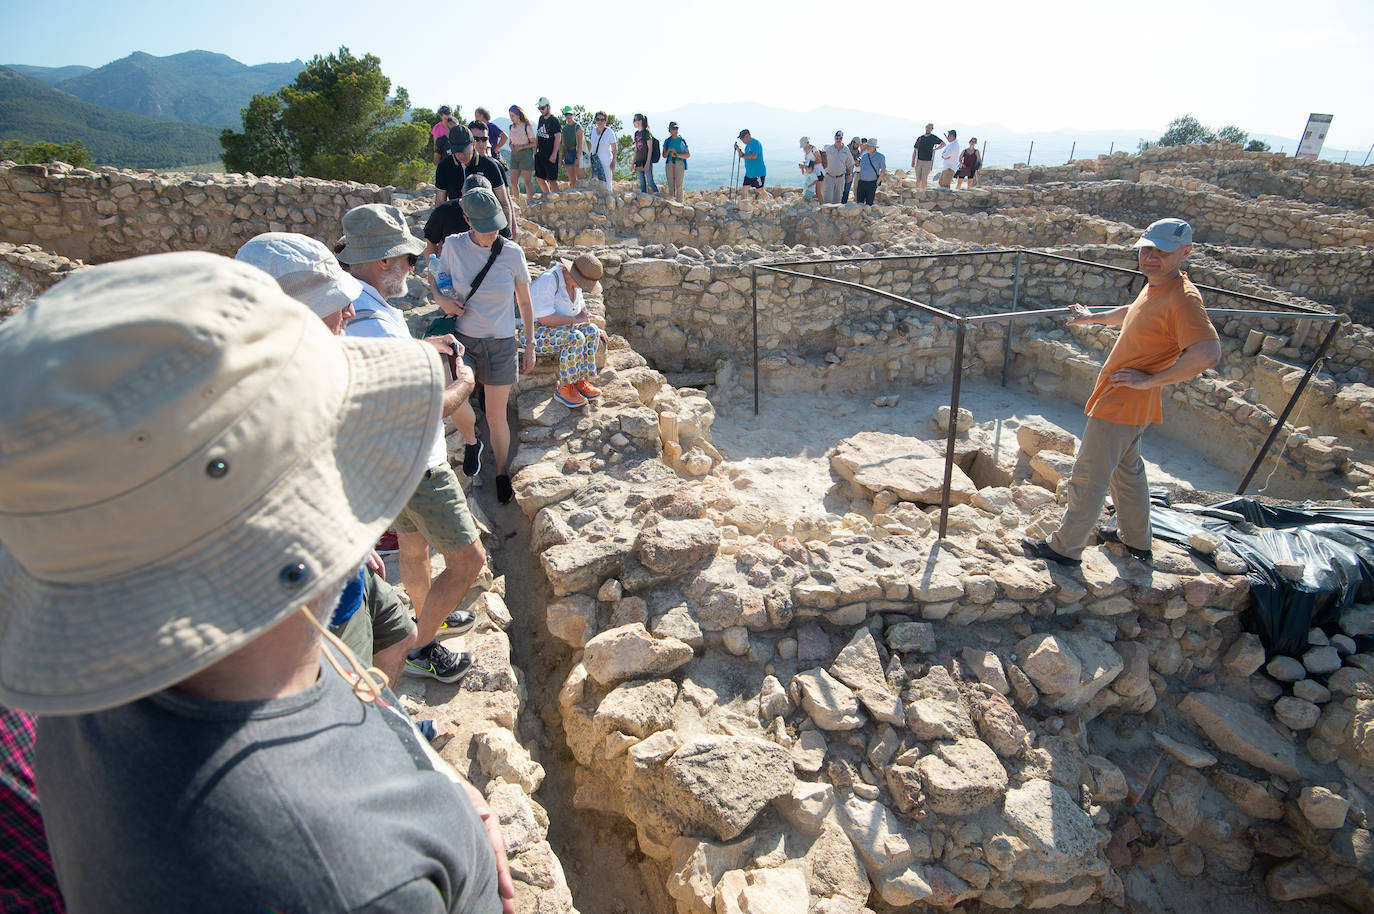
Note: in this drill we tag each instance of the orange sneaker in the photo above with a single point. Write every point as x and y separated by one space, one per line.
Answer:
569 396
588 390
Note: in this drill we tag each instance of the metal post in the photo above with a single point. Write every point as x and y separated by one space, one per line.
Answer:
1011 324
1111 148
1072 147
754 293
953 422
1292 401
1028 153
1366 156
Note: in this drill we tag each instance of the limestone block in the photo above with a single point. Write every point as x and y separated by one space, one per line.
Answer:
962 777
630 652
911 637
1044 816
638 708
722 782
1323 808
807 806
908 466
1244 656
1037 434
1238 731
672 546
1050 467
572 619
830 702
1296 714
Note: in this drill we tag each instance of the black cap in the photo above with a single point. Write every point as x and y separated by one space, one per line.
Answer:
743 133
445 109
459 138
672 125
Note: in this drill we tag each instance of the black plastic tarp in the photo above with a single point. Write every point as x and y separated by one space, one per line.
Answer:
1335 546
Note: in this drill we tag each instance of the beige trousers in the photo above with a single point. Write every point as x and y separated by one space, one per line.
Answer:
1108 460
672 178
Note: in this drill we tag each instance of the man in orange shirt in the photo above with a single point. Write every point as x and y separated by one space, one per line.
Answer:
1165 338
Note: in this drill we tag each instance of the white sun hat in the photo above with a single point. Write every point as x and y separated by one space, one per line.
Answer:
187 455
304 268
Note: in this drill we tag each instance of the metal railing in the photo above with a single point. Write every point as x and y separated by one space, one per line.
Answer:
960 322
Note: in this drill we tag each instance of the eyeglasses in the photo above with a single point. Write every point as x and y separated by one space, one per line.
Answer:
600 120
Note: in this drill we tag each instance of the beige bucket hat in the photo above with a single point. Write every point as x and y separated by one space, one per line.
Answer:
304 268
586 271
187 455
376 231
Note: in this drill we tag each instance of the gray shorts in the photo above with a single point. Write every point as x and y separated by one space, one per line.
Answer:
492 361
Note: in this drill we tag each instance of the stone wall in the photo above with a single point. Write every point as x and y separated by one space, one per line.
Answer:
108 214
26 270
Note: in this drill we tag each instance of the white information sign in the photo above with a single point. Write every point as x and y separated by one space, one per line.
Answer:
1312 138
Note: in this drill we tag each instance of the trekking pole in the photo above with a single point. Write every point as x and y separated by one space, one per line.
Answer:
734 165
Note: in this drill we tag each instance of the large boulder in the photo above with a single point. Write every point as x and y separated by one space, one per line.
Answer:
908 466
673 546
720 783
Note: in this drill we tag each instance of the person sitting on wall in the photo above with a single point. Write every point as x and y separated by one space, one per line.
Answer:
562 324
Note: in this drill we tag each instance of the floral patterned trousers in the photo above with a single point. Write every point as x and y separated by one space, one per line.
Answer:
575 344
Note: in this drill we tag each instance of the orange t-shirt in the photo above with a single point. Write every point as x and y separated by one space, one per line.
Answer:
1161 323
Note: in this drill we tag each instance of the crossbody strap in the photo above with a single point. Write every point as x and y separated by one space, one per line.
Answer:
486 268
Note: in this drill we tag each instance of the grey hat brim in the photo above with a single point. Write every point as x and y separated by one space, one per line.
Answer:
360 253
128 636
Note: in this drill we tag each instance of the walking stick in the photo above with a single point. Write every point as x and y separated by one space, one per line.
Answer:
734 161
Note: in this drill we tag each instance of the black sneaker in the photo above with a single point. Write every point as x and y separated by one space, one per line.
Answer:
459 622
472 459
1113 535
504 491
437 662
1041 549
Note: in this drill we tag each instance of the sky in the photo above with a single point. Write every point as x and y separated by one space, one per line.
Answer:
1258 64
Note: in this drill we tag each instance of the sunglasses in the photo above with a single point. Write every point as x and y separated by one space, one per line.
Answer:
478 138
413 259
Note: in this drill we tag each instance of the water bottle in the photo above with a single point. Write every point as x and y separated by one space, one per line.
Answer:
441 279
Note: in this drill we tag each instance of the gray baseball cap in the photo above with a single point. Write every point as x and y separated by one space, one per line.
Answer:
483 210
1167 235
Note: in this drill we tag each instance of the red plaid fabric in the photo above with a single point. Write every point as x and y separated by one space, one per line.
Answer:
27 882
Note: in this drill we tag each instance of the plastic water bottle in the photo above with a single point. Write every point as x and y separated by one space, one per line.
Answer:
441 279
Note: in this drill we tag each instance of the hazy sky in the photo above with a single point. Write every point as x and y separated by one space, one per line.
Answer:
1260 64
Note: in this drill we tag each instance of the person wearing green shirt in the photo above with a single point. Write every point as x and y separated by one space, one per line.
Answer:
675 156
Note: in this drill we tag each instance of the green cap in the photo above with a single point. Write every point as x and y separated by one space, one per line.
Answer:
483 210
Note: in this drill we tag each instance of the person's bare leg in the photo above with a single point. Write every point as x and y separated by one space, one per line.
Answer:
497 398
461 568
465 420
392 660
414 566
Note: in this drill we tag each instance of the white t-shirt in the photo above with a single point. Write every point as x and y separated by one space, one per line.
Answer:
606 140
810 158
377 318
949 156
549 295
490 313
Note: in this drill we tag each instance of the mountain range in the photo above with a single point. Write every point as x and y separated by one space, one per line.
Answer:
197 87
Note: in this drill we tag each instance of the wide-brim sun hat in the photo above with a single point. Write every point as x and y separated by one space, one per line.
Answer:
304 268
187 455
586 271
376 231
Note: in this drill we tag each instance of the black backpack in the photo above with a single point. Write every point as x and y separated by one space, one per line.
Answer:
656 151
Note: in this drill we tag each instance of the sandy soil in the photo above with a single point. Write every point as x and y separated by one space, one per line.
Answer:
781 451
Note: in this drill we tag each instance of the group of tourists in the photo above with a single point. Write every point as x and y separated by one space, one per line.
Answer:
829 173
956 164
539 151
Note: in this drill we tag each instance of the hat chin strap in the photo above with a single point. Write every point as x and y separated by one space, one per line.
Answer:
368 681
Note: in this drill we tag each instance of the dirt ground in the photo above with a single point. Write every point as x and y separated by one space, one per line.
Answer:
781 451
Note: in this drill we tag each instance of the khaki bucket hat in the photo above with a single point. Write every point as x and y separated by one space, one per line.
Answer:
586 271
376 231
187 455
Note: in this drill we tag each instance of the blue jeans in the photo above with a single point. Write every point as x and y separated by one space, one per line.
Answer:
646 181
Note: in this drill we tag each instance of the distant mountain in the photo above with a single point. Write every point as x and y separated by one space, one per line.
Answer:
31 111
50 75
199 87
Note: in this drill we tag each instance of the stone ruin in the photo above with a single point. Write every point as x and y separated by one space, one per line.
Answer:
688 699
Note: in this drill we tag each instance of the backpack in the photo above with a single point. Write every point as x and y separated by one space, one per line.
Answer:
656 151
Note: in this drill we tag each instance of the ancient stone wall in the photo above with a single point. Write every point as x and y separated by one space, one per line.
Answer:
108 214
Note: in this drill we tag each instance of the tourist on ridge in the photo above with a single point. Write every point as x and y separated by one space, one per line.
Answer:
603 154
488 273
1165 338
949 159
872 170
675 156
839 164
923 154
438 134
565 326
522 144
570 143
547 132
466 159
481 141
969 163
644 161
496 134
380 251
755 172
811 171
855 150
193 752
